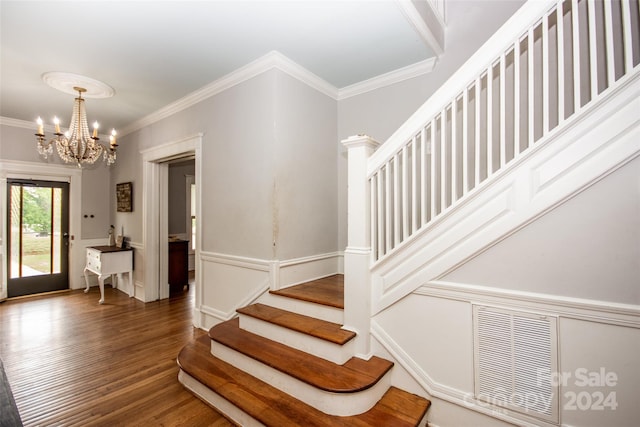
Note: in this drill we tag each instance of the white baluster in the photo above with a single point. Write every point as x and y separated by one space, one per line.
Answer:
397 214
454 151
443 160
531 89
503 111
627 36
388 227
593 49
477 134
414 185
490 121
561 59
465 141
423 176
432 142
608 35
405 194
575 47
545 75
516 99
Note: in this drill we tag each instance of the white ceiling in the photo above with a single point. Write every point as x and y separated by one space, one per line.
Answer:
155 52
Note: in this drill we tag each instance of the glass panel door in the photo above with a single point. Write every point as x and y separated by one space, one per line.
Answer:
38 239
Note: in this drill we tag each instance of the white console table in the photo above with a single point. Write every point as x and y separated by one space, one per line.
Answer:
108 261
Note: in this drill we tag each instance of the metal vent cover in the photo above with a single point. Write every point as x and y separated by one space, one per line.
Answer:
515 354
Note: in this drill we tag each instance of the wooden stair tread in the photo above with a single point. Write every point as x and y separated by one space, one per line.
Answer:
327 331
273 407
354 375
326 291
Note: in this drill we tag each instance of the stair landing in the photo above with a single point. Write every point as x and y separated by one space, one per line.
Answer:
326 291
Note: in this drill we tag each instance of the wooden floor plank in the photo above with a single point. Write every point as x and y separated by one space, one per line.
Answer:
71 361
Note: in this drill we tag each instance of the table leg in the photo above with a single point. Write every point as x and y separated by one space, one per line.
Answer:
86 280
132 291
101 284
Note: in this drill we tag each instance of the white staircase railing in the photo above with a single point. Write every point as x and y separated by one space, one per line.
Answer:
515 93
540 73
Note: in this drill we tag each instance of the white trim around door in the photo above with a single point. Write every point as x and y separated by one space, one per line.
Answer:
47 172
155 213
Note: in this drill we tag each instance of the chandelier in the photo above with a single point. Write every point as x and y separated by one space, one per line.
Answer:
77 145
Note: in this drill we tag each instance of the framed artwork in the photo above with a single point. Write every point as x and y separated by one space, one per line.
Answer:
123 197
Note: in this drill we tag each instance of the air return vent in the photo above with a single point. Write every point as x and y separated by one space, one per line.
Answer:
515 354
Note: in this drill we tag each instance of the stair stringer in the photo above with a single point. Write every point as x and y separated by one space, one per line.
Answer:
590 145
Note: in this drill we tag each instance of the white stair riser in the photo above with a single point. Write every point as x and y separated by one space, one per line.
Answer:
221 404
318 347
322 312
341 404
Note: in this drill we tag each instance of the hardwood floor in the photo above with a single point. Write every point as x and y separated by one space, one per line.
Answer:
73 362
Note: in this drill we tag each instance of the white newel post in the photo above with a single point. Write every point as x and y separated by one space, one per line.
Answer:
357 256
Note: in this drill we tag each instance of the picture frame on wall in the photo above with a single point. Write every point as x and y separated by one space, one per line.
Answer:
124 197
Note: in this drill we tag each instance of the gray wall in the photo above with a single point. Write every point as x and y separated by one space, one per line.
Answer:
305 215
268 168
586 248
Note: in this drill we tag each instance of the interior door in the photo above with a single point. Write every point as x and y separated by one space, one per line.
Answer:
37 236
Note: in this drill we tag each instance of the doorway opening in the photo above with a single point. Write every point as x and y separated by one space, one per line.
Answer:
155 231
37 237
182 227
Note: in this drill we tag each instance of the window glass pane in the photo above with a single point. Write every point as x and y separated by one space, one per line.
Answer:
14 220
57 230
36 238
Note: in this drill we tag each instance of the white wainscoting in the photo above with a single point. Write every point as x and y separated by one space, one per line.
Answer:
591 335
138 271
228 282
300 270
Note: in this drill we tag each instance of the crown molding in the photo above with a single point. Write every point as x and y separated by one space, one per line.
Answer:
267 62
272 60
388 79
276 60
17 123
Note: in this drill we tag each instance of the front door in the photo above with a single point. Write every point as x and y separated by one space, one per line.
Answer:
38 236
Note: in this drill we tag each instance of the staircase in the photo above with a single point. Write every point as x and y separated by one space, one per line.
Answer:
275 366
546 108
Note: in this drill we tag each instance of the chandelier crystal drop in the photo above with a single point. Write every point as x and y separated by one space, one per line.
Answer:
77 145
